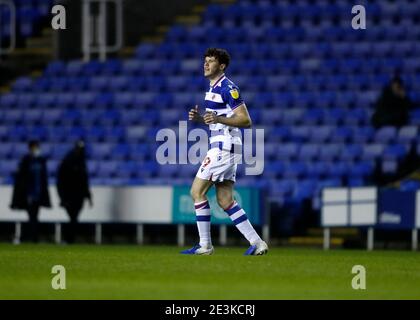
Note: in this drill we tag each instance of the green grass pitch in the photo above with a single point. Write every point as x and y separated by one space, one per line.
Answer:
159 272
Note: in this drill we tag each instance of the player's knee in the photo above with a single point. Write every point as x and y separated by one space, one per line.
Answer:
224 201
197 195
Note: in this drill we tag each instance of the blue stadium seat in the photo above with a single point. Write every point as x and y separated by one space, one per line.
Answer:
282 187
304 190
351 152
320 134
22 84
407 134
395 152
104 100
3 133
79 83
168 171
74 68
84 100
187 171
14 116
127 169
316 170
281 133
121 151
342 134
39 133
110 117
334 116
300 134
295 170
410 185
6 150
26 100
99 83
57 134
145 51
17 134
136 134
273 169
363 135
330 151
55 68
309 152
389 166
372 151
386 135
58 151
8 167
338 169
268 118
140 152
313 116
287 151
111 67
33 116
94 134
92 168
356 182
107 169
361 169
101 151
8 101
115 134
148 169
270 149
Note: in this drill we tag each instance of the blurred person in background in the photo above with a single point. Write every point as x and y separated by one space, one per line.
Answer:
393 106
73 185
30 190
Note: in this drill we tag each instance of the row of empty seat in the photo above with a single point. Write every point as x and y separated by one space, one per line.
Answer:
309 80
28 14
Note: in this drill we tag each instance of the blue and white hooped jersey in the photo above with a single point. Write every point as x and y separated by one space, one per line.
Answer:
222 98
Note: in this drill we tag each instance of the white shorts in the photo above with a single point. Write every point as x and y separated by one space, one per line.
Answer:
219 165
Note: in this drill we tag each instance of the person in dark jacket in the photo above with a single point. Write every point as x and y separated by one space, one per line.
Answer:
73 185
393 106
30 190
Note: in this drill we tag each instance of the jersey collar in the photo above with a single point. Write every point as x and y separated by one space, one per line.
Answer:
218 81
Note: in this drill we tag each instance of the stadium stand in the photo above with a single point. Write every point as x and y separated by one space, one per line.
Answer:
303 77
29 13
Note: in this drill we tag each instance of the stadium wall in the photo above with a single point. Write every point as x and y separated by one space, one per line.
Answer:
143 204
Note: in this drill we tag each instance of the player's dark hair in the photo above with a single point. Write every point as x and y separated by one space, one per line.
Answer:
220 54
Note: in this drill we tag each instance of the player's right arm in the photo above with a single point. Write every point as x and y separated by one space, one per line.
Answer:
194 115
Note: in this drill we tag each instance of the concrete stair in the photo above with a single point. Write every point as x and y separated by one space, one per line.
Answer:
31 59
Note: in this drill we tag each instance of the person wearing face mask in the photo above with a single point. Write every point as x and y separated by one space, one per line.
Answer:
30 190
73 186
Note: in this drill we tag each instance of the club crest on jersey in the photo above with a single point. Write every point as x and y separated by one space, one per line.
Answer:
206 162
234 93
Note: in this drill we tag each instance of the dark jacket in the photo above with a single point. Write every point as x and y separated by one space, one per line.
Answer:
72 180
391 110
24 180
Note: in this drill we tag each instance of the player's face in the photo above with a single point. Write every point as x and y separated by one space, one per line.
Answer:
212 67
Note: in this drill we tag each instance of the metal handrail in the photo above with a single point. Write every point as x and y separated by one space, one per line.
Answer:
87 27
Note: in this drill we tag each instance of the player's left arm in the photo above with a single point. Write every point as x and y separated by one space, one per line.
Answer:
239 119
